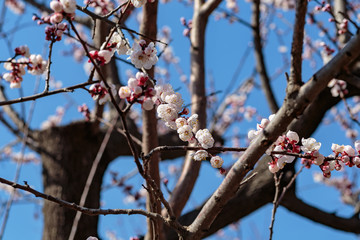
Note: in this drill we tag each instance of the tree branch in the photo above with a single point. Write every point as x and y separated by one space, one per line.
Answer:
259 56
296 205
292 108
297 43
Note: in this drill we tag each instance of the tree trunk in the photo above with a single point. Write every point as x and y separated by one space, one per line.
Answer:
67 156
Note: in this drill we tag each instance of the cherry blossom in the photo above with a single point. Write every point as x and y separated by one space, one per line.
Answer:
309 145
185 133
69 6
216 162
18 7
99 92
118 43
23 50
138 3
205 138
102 7
143 55
37 64
200 155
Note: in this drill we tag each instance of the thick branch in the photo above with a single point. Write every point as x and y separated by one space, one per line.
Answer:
191 168
297 43
293 107
294 204
260 61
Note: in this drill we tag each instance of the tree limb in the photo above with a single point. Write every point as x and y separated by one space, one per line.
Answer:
293 107
297 44
296 205
259 56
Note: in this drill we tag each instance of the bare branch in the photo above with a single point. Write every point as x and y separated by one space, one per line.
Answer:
90 179
88 211
297 44
259 56
209 6
296 205
44 94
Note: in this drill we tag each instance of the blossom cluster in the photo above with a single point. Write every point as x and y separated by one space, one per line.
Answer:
56 28
35 65
187 25
349 194
54 120
285 143
343 26
283 4
338 87
99 92
137 91
116 43
170 110
18 7
84 110
101 6
29 157
143 55
287 147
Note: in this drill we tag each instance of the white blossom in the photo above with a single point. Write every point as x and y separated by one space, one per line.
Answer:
138 3
201 155
309 145
175 99
273 168
148 104
121 44
185 133
38 64
357 146
216 162
142 55
349 151
167 112
319 158
124 92
69 6
193 121
292 136
337 148
106 54
180 122
205 139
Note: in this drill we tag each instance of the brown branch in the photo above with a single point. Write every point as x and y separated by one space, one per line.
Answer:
351 115
340 13
260 61
148 27
291 109
90 179
190 171
296 205
14 116
209 6
88 211
277 199
297 44
45 94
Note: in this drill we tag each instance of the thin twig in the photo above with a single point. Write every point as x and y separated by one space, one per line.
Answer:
44 94
277 198
352 117
90 178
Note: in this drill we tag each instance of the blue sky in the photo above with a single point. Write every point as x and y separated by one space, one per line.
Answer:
226 43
